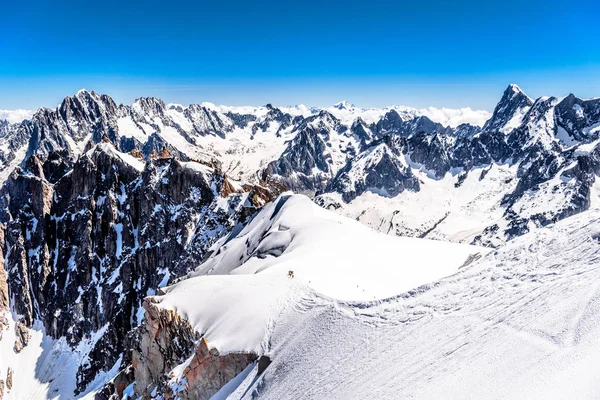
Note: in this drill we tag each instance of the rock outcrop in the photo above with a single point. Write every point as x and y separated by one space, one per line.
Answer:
9 378
379 169
166 341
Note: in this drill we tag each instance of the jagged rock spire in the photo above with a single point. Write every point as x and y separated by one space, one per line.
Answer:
514 103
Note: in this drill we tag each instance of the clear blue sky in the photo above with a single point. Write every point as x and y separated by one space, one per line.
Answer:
372 53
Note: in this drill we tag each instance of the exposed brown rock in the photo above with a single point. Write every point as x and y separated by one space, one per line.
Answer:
207 372
88 146
35 166
259 196
9 378
3 325
165 342
22 337
227 188
137 154
1 389
164 153
114 389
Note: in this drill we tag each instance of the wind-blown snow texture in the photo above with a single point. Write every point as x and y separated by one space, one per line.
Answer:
103 204
522 323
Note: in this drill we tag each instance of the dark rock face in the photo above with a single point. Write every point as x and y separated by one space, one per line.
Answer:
363 132
273 115
511 102
578 117
393 124
305 166
153 146
241 120
431 152
84 251
378 169
12 138
206 121
537 132
466 131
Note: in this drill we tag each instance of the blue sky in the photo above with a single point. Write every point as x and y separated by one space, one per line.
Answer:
372 53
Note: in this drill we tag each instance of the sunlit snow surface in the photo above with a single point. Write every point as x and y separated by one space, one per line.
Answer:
522 322
46 368
248 284
439 210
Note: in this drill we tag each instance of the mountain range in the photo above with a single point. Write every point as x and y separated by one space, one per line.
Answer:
145 248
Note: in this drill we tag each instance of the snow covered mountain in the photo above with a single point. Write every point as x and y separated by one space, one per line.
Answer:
102 205
520 322
527 167
245 283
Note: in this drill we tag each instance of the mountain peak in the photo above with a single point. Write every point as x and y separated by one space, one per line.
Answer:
85 94
514 89
343 105
509 111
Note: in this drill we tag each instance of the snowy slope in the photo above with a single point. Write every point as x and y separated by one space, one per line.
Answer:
46 368
245 283
335 256
439 210
522 323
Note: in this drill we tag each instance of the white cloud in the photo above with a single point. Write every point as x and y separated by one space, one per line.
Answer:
455 117
15 116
